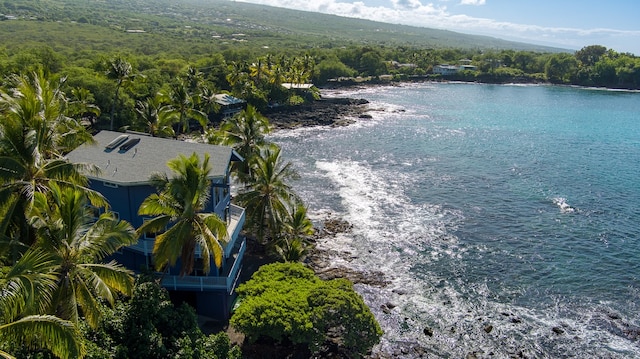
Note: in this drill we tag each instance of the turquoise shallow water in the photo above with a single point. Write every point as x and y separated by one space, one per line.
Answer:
514 207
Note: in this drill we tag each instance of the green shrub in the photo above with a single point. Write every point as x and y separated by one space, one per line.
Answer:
287 302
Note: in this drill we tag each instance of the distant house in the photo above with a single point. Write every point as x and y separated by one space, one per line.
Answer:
398 65
447 70
294 86
126 162
229 105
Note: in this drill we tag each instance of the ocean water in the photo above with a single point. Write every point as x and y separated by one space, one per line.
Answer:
505 218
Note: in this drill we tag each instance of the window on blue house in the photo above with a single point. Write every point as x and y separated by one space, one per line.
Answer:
216 196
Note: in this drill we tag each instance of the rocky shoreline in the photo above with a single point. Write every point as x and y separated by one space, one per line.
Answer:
332 112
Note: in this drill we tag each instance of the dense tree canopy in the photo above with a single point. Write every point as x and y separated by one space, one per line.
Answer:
287 302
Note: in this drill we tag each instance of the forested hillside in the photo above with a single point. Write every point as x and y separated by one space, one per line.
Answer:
203 21
209 47
69 68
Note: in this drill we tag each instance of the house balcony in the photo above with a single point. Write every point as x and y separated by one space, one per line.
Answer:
226 281
235 221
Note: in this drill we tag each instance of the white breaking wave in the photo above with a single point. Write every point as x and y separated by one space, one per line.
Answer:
561 202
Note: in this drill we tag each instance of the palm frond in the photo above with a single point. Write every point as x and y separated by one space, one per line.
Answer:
87 301
154 225
29 286
168 245
61 337
106 236
159 204
107 276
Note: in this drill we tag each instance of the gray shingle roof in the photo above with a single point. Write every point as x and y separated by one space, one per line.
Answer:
148 156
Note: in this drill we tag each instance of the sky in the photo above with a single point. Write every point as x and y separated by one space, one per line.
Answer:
568 24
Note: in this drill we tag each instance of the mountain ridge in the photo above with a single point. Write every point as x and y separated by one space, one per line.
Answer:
261 24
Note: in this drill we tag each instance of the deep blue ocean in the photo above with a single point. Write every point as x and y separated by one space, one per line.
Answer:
506 218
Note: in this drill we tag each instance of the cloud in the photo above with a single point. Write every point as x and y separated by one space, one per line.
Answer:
472 2
406 4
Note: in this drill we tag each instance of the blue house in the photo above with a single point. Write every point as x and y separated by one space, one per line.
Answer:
126 162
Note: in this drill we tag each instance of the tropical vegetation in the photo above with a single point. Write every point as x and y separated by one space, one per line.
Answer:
288 303
112 66
149 325
178 210
126 66
52 249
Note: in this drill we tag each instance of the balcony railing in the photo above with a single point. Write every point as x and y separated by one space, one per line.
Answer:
227 281
234 226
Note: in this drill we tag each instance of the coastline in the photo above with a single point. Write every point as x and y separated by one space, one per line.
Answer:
343 111
331 111
488 324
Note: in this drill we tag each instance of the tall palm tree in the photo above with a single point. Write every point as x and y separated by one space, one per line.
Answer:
81 105
67 229
156 117
245 133
278 74
185 106
35 103
26 292
208 102
268 196
194 80
259 70
34 135
237 73
180 204
122 72
297 229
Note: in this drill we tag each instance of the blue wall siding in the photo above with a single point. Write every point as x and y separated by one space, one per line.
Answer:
124 199
127 199
136 195
132 260
214 304
112 194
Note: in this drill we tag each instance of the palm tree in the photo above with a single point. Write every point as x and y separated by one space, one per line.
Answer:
291 249
293 244
156 117
34 135
193 80
237 73
185 106
258 70
81 105
297 224
34 103
26 292
179 204
245 133
268 196
208 102
278 72
67 229
122 72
